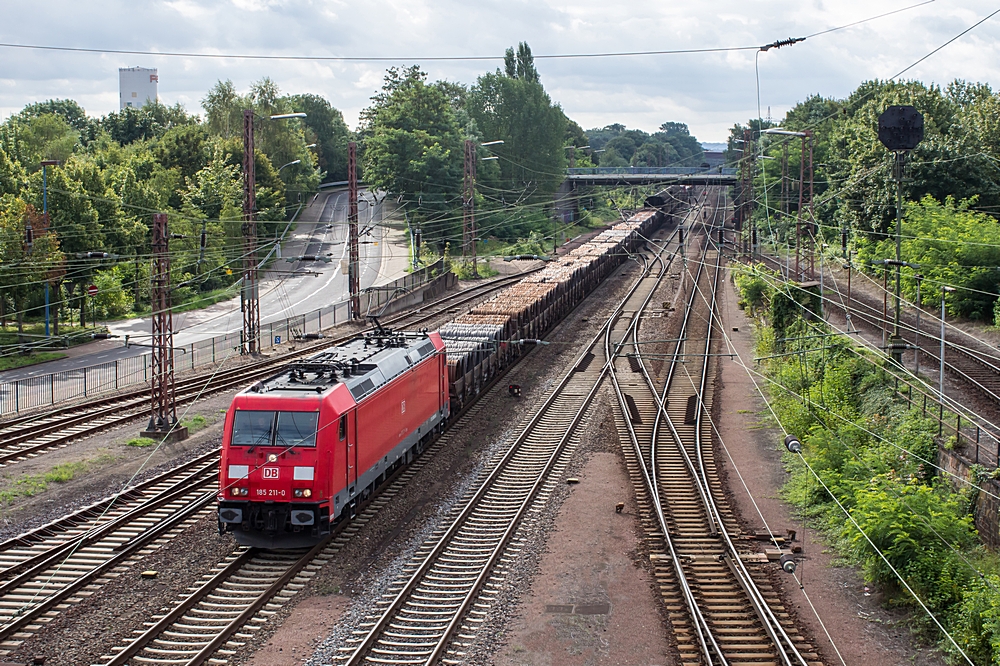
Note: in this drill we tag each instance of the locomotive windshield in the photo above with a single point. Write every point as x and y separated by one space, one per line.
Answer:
296 429
260 428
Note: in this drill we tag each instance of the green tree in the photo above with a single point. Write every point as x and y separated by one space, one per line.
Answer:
518 111
144 123
413 147
520 65
24 269
87 127
326 128
224 108
12 175
49 137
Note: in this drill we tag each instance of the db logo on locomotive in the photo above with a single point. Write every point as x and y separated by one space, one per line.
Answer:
271 472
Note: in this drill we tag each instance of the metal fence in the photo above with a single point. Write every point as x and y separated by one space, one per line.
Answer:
46 390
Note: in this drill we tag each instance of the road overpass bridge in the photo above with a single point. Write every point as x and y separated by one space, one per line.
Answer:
651 176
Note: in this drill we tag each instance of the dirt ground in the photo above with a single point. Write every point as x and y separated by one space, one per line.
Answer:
299 635
592 601
863 631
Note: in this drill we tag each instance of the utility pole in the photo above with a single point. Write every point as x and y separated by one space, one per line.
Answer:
798 212
353 267
806 136
743 212
250 295
468 206
944 290
163 419
811 235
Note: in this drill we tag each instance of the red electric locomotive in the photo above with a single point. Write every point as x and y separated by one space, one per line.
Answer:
302 448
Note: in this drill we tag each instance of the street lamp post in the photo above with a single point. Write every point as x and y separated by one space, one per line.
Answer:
45 216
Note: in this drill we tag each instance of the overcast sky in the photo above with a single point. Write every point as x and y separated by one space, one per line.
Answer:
709 92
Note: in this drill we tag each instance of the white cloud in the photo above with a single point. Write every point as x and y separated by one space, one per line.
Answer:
708 91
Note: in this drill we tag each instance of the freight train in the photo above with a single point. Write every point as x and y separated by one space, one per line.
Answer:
302 449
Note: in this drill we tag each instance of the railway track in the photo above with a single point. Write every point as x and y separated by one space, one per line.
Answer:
973 363
236 599
434 608
716 589
240 594
56 564
30 435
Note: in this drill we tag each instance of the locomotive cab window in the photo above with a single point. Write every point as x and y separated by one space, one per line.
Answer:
343 427
252 428
296 429
260 428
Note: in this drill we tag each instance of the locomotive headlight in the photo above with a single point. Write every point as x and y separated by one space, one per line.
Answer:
272 457
302 492
241 491
307 493
297 492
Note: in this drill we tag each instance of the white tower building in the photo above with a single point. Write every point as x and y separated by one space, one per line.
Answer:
136 86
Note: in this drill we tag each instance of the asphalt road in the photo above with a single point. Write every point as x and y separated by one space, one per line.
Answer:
287 289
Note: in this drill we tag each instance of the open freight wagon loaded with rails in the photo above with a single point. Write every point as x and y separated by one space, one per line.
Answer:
303 448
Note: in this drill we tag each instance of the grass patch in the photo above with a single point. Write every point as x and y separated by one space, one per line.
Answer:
19 361
31 485
463 270
326 589
140 442
195 423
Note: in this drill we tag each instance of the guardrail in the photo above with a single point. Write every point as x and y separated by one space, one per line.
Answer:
50 389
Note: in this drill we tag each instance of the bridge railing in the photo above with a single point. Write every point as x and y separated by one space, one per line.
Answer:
652 171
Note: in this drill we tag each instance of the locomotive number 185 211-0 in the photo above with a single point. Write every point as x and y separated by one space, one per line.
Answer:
269 492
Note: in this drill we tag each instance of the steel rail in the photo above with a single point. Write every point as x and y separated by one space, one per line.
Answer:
39 563
772 625
31 615
94 511
706 637
866 312
361 650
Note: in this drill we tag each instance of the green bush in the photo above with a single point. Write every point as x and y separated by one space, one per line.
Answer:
976 622
114 293
876 456
753 284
